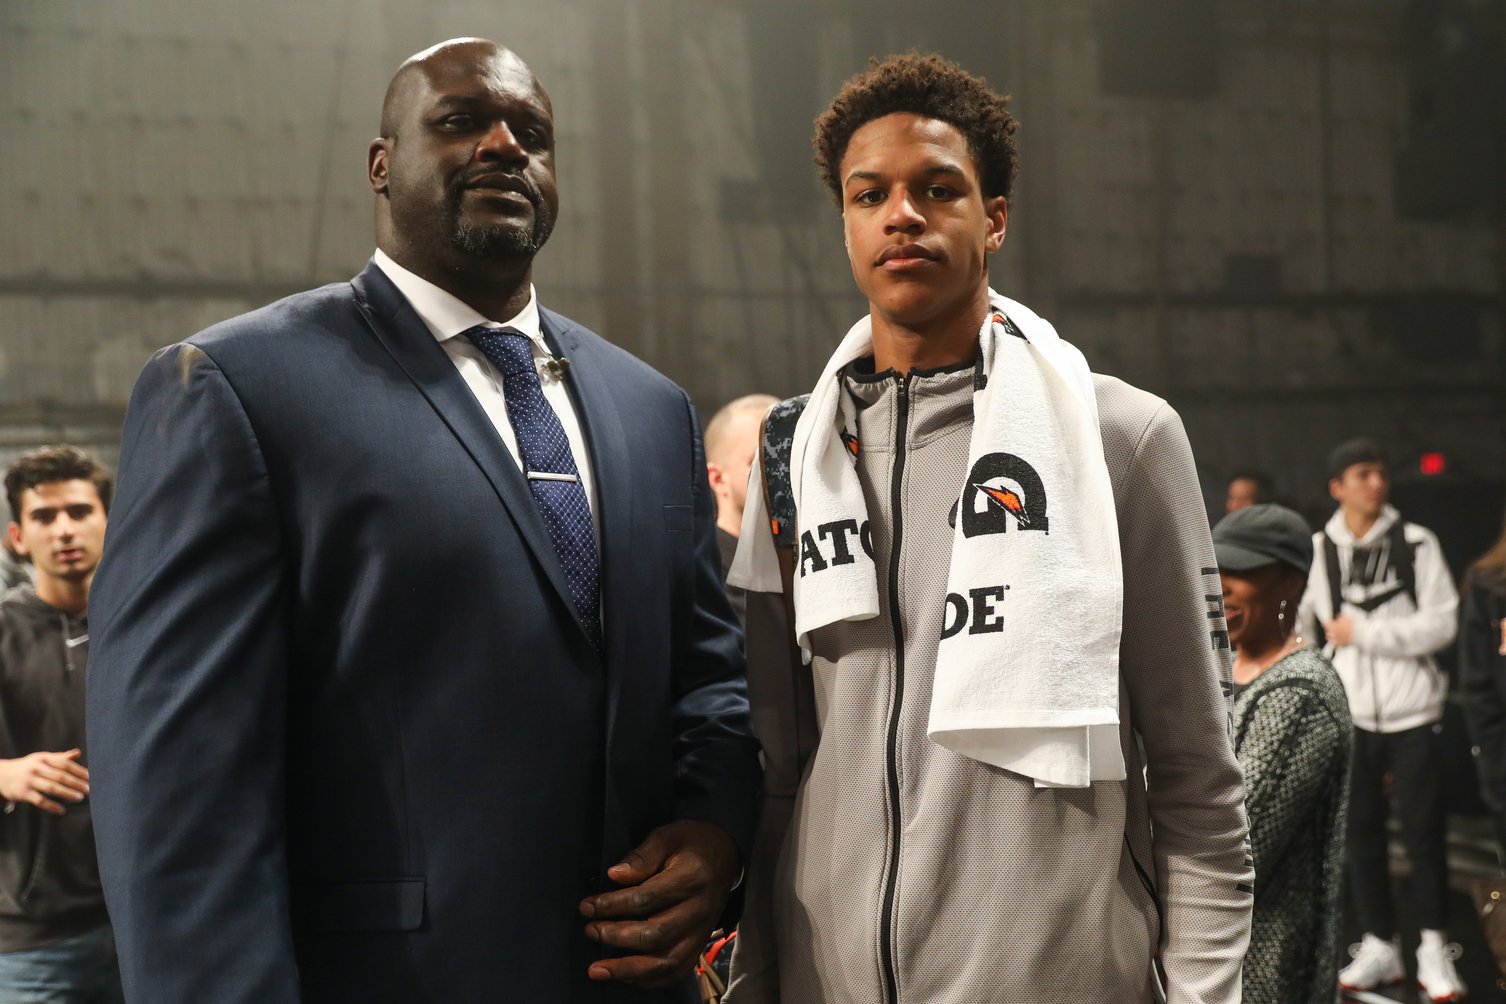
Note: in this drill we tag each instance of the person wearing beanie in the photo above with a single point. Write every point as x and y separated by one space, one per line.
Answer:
1292 734
1384 602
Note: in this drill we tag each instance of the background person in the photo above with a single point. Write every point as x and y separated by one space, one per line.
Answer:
1382 596
1292 733
1247 488
55 939
1482 677
731 446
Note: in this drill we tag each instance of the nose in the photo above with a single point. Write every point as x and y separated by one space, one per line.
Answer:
65 527
499 144
903 216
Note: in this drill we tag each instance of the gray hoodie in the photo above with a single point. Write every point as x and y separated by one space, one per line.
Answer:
49 879
888 869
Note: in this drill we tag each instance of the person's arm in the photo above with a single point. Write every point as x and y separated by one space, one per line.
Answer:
677 882
1430 627
1483 692
1287 757
187 699
1172 667
782 694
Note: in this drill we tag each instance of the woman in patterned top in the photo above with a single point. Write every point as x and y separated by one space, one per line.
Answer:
1292 732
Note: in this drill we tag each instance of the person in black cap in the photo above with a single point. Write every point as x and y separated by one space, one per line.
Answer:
1292 733
1382 598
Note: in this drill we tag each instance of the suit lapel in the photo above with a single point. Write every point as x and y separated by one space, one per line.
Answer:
604 426
408 340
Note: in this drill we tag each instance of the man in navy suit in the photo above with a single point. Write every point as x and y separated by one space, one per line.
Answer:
383 707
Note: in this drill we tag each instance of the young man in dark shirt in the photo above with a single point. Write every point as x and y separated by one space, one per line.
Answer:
55 938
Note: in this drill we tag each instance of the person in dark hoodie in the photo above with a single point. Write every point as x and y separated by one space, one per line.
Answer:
55 939
1482 676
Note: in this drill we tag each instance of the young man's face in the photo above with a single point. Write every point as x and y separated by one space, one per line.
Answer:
62 529
918 227
1362 489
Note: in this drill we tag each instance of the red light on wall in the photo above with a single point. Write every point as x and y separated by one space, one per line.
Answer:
1432 464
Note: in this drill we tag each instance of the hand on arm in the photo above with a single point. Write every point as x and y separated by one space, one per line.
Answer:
676 884
45 780
1339 630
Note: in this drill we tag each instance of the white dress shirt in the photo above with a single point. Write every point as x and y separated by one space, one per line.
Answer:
447 316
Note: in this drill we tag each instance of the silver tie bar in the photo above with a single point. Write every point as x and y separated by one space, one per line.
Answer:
546 476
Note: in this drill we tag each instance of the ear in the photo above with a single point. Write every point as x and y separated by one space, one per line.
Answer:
13 535
716 476
996 209
1292 588
1333 489
376 164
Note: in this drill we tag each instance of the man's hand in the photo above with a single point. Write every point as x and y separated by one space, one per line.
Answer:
1340 630
678 880
39 778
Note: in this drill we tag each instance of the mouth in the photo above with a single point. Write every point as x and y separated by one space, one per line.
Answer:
500 184
1233 618
901 257
68 554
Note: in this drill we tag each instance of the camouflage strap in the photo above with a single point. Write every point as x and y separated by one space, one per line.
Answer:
778 436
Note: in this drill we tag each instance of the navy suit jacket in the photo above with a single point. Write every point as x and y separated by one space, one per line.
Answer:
348 738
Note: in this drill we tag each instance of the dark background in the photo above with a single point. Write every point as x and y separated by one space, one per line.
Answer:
1284 217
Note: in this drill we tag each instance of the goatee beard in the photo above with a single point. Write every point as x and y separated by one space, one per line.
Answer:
499 243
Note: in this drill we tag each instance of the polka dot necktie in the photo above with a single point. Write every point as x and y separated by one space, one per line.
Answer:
549 466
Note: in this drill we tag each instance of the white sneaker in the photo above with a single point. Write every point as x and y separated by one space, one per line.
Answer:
1376 963
1435 969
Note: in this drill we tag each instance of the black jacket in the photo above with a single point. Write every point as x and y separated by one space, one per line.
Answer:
49 878
1482 678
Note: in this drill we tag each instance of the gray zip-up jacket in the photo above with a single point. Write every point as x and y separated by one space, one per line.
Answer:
49 878
891 870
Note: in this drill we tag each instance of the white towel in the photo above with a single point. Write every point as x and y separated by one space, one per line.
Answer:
1027 675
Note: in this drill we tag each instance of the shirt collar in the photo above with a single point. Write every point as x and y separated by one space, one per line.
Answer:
445 314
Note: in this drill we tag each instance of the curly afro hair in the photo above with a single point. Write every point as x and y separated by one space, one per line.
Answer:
925 85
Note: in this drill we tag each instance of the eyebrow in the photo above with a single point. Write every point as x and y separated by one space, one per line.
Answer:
939 167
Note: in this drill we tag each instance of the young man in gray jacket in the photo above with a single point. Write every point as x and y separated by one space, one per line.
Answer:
55 939
998 765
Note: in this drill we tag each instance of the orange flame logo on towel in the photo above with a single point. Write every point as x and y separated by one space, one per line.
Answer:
1008 501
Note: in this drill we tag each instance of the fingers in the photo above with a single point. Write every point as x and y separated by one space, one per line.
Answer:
666 946
682 876
51 781
67 764
44 803
645 859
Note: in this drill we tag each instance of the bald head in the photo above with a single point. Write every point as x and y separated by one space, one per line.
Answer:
463 172
735 425
731 447
414 77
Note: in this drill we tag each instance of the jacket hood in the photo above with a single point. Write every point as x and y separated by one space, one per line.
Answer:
23 602
1339 532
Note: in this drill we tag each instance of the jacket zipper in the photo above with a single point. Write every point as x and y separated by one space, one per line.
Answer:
891 874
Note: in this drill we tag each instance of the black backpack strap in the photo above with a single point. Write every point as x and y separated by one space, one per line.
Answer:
1403 560
1335 585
